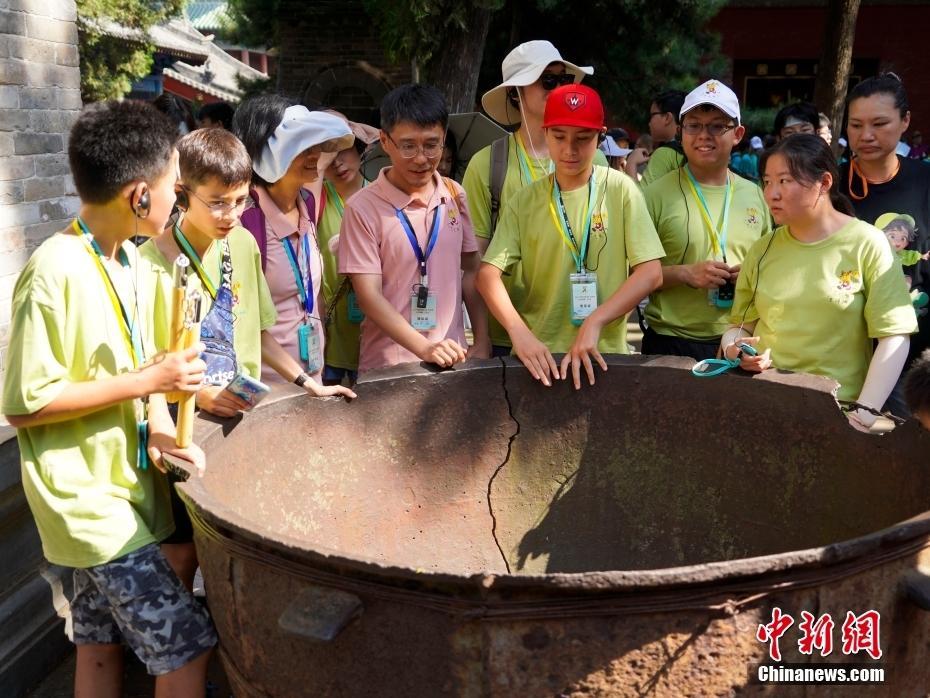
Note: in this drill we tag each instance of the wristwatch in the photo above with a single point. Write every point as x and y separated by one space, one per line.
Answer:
301 379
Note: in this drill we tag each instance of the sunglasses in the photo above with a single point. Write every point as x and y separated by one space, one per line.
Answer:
550 81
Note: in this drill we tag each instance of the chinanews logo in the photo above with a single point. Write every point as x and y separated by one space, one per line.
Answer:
575 100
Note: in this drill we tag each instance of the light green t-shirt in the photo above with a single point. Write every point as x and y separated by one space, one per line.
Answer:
90 501
477 185
342 335
253 309
819 305
663 160
682 311
622 235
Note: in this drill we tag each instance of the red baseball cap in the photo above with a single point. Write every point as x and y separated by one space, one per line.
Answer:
574 105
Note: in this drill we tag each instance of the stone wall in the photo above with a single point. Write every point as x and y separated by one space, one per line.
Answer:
39 99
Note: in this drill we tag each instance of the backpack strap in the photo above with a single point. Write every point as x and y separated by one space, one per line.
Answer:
500 151
253 220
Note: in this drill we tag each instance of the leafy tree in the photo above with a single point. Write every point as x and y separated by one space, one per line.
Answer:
109 65
254 22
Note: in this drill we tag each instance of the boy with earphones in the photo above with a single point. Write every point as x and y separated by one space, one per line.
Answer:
498 172
586 247
237 309
86 393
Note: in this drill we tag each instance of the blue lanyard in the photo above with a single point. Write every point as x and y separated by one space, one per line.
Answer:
412 236
130 328
306 294
579 254
718 237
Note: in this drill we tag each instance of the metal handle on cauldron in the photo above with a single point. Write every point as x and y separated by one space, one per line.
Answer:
320 614
916 587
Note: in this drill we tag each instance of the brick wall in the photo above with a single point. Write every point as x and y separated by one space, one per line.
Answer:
329 52
39 99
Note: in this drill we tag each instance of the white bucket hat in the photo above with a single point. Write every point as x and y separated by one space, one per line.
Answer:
522 67
715 94
612 150
300 129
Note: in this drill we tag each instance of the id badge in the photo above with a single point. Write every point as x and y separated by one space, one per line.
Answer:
355 312
423 318
584 295
308 342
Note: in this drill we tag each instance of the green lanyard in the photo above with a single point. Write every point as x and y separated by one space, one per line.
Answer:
718 236
560 220
196 261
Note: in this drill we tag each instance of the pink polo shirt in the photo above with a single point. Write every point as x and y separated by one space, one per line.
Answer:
372 241
281 281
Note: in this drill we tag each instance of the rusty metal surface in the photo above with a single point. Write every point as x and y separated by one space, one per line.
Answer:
634 534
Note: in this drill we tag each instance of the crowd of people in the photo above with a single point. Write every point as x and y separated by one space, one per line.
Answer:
312 275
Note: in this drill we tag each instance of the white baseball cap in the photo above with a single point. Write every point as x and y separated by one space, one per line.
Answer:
612 150
715 94
522 67
300 129
756 143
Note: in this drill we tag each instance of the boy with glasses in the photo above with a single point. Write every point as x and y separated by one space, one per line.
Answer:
498 172
663 127
406 239
707 218
236 307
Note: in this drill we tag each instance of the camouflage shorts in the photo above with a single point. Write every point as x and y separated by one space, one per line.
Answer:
139 599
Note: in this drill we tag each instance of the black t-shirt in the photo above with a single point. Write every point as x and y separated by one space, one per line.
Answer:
907 193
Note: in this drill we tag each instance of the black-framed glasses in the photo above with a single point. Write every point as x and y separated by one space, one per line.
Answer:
219 206
411 150
550 81
693 128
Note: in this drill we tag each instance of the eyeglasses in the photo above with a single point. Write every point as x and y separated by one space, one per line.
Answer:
411 150
694 128
220 206
550 81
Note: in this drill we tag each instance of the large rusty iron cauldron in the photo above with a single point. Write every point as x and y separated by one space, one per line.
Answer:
473 533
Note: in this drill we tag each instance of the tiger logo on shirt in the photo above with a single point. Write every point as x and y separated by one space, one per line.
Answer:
752 217
599 224
453 215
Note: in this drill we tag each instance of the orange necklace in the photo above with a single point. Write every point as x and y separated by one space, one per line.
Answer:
854 167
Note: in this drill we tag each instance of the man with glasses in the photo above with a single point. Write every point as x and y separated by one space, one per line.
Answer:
406 240
498 172
663 127
707 218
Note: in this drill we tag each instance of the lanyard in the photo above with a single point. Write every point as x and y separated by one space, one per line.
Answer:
306 294
560 219
526 165
131 333
718 236
412 237
334 197
196 261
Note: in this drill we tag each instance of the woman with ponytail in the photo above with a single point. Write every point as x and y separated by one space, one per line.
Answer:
820 291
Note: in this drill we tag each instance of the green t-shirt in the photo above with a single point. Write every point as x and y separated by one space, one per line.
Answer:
664 160
477 185
253 309
622 235
90 501
682 311
342 335
819 305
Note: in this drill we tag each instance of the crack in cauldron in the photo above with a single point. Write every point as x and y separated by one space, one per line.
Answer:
503 463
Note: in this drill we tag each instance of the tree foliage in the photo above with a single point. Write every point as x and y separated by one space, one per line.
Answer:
109 65
255 22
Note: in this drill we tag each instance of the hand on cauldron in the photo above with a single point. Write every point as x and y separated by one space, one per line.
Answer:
221 402
582 350
535 356
314 389
444 353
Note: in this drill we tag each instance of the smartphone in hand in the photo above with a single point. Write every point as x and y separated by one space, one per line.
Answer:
247 388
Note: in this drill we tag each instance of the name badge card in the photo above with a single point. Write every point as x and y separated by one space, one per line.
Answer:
423 314
584 295
311 351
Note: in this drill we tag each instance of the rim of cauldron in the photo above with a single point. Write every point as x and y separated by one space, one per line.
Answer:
847 556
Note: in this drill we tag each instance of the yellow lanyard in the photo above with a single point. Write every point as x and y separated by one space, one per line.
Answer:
133 344
715 233
523 157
